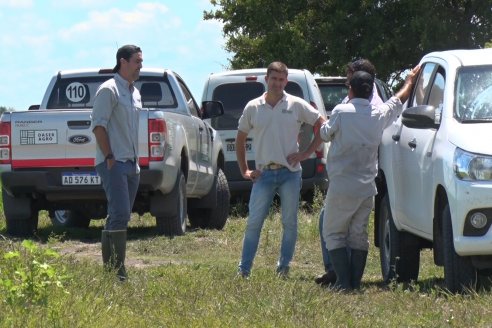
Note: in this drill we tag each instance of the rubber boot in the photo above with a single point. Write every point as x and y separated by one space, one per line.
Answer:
105 248
357 266
341 265
117 244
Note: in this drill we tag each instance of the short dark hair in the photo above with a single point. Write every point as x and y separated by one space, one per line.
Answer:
277 66
125 52
362 84
361 65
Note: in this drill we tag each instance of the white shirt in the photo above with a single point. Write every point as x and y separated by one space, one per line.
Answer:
355 130
275 129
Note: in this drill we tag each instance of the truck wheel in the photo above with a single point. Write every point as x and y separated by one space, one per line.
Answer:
20 216
69 218
459 273
399 251
175 225
213 218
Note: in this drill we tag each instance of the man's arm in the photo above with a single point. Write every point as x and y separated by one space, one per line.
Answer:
294 158
241 157
102 140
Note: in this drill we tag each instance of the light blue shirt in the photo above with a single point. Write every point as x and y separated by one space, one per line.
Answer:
116 108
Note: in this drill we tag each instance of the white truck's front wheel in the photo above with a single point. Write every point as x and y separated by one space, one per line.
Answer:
459 273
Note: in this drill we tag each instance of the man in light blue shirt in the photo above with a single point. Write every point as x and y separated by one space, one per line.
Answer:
115 125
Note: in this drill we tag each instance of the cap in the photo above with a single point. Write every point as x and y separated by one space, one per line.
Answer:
125 52
362 83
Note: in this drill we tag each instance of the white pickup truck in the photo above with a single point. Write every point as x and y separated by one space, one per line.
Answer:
47 156
435 173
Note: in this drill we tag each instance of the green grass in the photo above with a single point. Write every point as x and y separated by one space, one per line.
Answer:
190 281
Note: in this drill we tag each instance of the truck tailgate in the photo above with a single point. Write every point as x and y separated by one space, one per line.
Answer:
57 138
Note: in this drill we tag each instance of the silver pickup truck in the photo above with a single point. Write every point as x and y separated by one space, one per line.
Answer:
47 156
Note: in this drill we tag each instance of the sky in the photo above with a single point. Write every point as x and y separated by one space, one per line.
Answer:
41 37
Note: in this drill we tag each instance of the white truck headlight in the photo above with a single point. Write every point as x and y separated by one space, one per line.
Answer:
472 167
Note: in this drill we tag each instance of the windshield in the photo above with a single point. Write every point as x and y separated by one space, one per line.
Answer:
474 94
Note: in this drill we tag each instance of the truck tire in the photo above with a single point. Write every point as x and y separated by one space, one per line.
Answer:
20 216
459 274
69 218
175 225
213 218
399 251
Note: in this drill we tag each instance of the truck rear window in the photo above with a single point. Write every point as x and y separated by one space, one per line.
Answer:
235 96
78 93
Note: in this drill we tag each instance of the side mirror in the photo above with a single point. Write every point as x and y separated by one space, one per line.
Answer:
211 109
420 117
33 107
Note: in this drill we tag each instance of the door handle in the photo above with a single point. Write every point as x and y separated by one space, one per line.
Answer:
395 137
413 143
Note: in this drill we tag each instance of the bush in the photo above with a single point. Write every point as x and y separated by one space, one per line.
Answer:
28 274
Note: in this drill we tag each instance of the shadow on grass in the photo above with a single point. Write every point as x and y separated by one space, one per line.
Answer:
426 286
86 235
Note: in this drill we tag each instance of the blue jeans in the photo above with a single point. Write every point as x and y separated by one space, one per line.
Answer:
288 185
324 250
120 184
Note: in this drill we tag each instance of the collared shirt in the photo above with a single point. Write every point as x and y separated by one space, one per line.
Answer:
355 130
116 108
275 129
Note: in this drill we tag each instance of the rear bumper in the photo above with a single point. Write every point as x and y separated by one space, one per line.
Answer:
48 184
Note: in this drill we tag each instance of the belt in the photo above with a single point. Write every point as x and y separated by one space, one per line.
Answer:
273 166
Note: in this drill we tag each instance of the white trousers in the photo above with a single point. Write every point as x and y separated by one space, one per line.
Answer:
345 221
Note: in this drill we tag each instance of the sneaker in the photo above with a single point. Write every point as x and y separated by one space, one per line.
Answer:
328 278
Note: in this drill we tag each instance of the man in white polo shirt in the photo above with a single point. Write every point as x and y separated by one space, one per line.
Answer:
273 120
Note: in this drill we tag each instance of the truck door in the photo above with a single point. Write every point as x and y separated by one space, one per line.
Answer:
415 151
204 143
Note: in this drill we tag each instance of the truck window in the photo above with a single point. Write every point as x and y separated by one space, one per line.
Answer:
423 84
74 93
190 102
234 97
436 96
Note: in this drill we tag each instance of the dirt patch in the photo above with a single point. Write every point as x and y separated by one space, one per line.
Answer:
92 252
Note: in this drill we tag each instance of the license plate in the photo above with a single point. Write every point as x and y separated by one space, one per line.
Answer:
232 147
81 179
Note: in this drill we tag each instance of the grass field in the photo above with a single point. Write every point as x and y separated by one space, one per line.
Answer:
190 281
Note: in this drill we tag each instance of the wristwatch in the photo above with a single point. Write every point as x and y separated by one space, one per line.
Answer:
109 156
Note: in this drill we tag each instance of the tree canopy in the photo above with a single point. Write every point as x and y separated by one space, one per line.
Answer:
324 35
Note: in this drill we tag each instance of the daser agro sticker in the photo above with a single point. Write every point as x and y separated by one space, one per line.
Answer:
75 92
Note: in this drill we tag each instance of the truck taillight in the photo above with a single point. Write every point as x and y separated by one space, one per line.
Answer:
5 149
157 139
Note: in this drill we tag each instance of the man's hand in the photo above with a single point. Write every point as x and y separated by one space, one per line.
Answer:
252 175
295 158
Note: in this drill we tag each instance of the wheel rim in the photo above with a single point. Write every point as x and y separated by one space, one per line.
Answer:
62 216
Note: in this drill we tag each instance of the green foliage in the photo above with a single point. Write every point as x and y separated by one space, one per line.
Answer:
5 109
28 274
324 35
